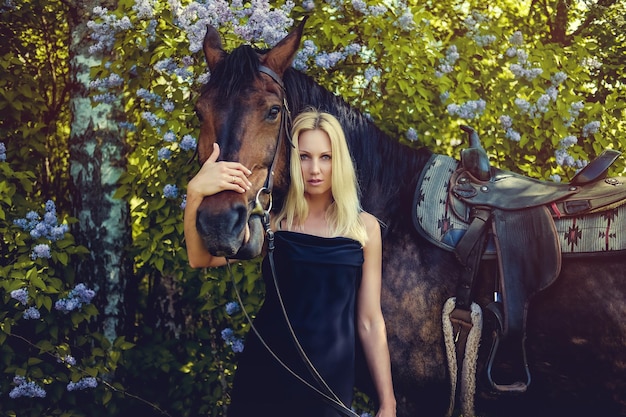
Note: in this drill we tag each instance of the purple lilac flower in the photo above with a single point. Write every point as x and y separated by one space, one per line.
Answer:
370 73
359 6
103 32
3 152
558 78
82 293
203 78
152 119
328 60
411 134
308 50
517 38
183 204
147 96
168 106
308 5
170 191
26 389
78 296
32 215
237 346
352 49
187 61
41 251
563 158
188 143
405 21
144 9
67 304
232 307
513 135
169 136
84 383
523 105
468 110
506 121
48 228
31 313
591 128
107 83
235 342
164 154
553 93
446 64
106 98
68 359
568 141
20 295
167 65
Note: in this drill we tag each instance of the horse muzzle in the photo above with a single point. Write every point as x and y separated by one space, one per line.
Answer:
230 230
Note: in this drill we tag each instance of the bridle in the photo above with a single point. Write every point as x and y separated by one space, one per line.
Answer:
323 389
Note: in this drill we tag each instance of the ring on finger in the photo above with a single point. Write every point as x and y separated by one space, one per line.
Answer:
234 179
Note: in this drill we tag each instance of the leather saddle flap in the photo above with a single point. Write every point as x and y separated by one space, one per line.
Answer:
529 259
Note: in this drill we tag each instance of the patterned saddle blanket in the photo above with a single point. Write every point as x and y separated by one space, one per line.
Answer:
437 221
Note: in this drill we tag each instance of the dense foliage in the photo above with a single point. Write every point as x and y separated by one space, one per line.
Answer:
541 92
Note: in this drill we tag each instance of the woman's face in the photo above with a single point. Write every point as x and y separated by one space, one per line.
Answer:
316 162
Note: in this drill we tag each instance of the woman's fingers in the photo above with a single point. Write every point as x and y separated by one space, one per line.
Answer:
215 176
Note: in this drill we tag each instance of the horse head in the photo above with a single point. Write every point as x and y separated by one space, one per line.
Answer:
244 109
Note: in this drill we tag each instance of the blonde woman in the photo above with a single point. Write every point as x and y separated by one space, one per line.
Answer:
328 265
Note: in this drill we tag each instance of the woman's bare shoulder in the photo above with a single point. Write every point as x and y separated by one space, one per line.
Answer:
370 221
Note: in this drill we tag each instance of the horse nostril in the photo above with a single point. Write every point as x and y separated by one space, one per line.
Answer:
222 232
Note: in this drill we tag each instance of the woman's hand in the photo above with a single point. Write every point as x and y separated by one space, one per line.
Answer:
387 412
215 177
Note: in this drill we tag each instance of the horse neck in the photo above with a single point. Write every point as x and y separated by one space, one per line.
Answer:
387 171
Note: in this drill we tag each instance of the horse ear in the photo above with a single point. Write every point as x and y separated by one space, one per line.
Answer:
280 57
212 46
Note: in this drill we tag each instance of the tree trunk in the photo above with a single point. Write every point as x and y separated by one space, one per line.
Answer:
559 28
97 159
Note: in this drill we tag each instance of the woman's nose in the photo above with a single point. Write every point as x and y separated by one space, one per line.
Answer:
315 166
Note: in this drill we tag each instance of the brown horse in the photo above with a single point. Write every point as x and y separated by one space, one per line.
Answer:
575 329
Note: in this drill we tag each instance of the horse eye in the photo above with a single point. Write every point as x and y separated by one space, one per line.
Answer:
273 113
198 115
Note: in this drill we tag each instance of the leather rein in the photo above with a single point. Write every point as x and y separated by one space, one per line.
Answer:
323 390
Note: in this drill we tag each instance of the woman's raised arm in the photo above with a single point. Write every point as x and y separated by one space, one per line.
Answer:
213 177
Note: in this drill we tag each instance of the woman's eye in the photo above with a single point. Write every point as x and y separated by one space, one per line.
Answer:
303 157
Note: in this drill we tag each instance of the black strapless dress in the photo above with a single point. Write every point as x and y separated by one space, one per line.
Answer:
318 280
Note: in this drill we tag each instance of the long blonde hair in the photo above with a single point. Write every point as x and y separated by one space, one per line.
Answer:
343 214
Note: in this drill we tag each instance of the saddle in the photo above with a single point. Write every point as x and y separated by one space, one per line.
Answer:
482 212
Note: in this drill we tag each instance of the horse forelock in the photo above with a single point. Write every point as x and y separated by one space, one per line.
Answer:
235 72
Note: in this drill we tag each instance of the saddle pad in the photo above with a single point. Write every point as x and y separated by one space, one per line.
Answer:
435 220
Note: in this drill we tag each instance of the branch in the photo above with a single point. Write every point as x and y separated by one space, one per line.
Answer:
594 13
